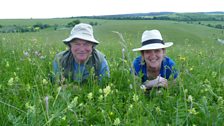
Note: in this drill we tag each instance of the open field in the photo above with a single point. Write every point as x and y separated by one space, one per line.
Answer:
29 98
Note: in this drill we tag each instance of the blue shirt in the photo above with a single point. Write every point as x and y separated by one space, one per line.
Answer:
81 73
166 68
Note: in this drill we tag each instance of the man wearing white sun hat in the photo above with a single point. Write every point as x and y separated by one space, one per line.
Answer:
76 63
153 64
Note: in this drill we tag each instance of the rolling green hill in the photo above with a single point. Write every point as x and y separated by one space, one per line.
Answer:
29 98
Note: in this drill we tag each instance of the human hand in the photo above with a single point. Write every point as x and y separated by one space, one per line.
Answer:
158 82
161 82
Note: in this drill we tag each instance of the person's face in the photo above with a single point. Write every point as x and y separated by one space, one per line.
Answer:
153 58
81 50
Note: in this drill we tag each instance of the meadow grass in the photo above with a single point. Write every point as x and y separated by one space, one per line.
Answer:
29 98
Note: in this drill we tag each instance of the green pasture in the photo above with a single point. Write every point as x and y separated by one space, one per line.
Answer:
29 98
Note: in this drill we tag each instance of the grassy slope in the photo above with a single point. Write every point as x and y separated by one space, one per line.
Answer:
196 52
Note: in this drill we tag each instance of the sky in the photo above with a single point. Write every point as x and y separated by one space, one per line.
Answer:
15 9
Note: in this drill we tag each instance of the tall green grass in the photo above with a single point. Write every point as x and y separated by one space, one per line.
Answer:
29 98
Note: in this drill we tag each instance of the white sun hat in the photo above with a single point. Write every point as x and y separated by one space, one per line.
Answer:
81 31
152 39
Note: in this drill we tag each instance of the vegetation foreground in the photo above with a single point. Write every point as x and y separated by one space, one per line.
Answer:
29 98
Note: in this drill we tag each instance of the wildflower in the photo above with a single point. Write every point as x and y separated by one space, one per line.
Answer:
193 111
59 88
220 100
123 50
42 57
90 96
16 79
185 91
182 58
63 118
17 68
25 53
34 39
30 108
47 103
73 103
100 98
11 81
106 90
7 64
44 81
111 113
190 98
28 87
206 81
130 107
37 53
29 60
135 98
222 79
131 87
214 74
100 90
158 110
123 54
117 121
81 104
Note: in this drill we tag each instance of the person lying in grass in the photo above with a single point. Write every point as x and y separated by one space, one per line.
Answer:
76 63
153 66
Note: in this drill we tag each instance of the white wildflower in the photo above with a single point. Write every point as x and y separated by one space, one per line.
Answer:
107 90
90 96
11 81
135 98
117 121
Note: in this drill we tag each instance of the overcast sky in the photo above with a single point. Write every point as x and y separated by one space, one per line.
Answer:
69 8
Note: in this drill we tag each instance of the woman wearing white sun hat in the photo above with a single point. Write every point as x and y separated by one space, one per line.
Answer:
153 64
76 63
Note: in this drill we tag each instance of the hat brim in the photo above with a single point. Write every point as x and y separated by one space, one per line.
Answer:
70 38
154 46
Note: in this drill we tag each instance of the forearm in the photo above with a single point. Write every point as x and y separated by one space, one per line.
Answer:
149 84
158 82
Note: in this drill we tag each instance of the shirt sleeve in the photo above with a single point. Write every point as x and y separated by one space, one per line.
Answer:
136 65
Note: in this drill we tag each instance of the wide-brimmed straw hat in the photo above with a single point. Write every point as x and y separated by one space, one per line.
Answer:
81 31
152 39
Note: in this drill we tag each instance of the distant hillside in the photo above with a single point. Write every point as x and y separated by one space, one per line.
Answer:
197 16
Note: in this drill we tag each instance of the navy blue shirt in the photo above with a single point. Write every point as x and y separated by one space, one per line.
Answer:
167 68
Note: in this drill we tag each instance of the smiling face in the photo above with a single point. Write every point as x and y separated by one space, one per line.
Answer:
153 58
81 50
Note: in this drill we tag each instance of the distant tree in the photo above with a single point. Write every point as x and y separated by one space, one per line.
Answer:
93 23
209 25
55 26
219 26
41 26
73 23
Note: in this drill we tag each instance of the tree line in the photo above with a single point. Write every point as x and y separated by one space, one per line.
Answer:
37 27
